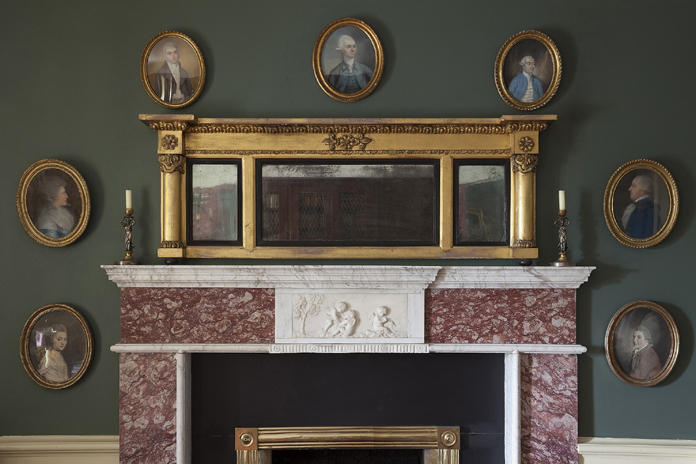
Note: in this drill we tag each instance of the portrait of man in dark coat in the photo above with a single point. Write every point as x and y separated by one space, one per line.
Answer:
638 219
172 83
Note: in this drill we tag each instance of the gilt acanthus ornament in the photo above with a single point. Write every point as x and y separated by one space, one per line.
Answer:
168 126
347 141
524 163
171 163
171 244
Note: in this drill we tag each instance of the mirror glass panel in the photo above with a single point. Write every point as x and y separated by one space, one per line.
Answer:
481 197
348 202
214 202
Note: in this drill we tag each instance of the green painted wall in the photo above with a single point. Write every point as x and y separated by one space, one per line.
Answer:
71 90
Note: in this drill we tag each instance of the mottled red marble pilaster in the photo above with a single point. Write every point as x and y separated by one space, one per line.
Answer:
197 315
549 419
500 316
147 409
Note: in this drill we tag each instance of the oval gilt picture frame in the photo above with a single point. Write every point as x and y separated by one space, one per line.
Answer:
641 203
53 203
642 343
528 70
172 69
348 60
56 346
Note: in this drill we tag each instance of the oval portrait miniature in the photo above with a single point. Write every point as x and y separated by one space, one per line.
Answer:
348 60
56 346
642 343
528 70
53 203
641 203
172 69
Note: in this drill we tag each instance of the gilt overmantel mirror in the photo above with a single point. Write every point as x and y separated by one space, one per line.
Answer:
348 188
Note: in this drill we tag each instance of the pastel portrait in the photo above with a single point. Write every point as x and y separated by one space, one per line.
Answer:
56 346
173 71
641 203
348 60
53 203
642 343
528 70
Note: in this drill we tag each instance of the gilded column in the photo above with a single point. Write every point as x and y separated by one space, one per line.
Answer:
172 162
523 185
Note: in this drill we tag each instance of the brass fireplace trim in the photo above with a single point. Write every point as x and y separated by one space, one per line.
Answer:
439 444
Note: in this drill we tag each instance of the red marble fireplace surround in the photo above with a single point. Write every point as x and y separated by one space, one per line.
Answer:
527 313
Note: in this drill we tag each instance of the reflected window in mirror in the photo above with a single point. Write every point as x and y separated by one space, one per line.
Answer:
214 202
481 202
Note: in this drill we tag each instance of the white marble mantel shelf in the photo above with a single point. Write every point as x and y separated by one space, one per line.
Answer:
491 348
413 278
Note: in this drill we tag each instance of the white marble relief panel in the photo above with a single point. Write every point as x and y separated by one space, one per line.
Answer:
345 318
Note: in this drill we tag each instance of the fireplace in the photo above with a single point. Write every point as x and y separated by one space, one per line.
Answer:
176 318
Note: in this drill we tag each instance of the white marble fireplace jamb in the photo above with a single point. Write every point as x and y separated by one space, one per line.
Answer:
512 408
183 407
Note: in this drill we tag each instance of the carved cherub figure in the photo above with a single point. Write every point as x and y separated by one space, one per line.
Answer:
348 322
332 321
382 326
340 321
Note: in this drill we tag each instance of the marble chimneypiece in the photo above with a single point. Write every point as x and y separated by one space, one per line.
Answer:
168 311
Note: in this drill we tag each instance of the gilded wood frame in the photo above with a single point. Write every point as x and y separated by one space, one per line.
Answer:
514 49
31 201
612 338
325 38
50 317
618 183
192 52
513 138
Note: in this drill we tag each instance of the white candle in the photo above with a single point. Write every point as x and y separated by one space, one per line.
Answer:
129 199
561 199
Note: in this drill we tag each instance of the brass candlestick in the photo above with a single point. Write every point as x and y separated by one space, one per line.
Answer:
562 222
128 222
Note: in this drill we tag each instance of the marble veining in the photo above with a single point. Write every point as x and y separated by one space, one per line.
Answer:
500 316
181 315
308 277
511 277
350 276
549 422
147 398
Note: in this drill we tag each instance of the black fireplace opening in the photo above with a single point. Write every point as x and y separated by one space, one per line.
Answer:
324 390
